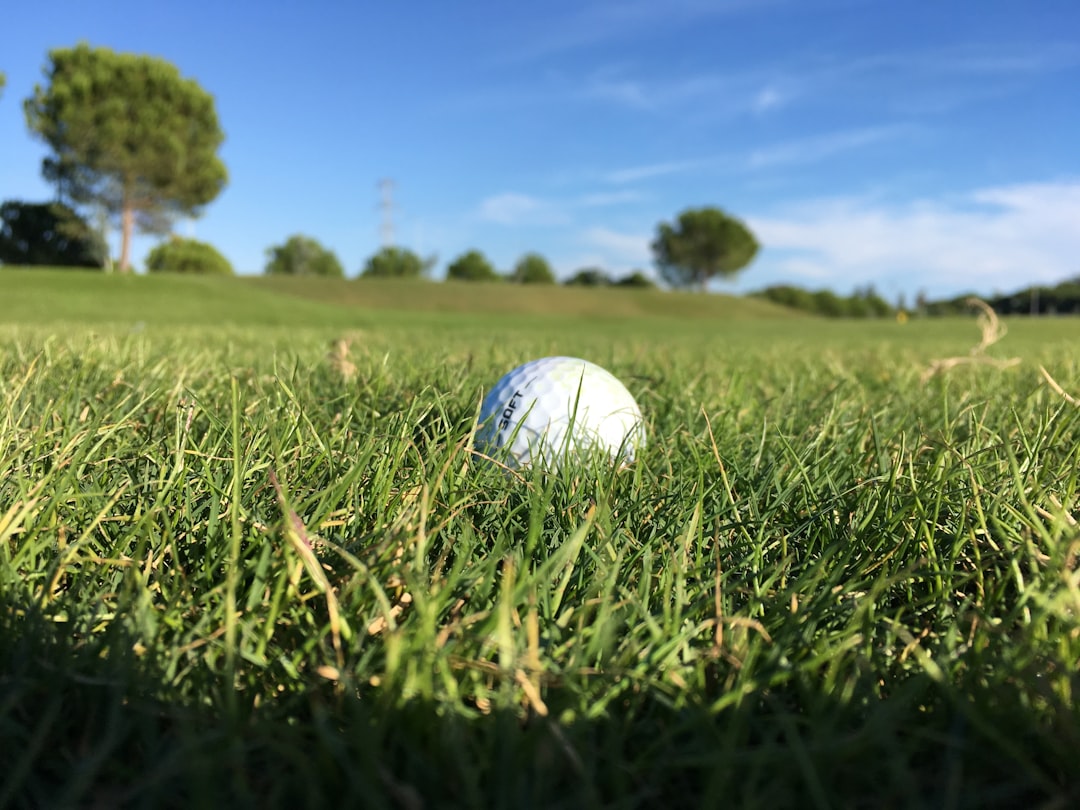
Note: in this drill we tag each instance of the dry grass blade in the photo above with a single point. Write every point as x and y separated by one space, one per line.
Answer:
298 538
11 522
1057 389
338 358
992 329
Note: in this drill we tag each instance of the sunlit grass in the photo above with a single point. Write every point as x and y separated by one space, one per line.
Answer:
240 566
37 296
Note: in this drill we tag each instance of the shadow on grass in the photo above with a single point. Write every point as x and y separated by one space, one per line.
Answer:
87 723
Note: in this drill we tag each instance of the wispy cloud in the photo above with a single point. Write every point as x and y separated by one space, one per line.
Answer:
996 59
607 198
513 208
603 21
807 150
519 209
768 98
929 80
633 174
932 80
617 248
820 147
621 91
730 93
993 238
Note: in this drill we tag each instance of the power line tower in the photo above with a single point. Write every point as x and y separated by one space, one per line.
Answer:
386 205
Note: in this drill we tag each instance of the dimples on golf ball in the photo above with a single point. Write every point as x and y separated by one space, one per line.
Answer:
556 407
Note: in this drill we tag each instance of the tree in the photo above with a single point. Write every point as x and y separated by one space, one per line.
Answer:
302 256
3 81
395 262
532 268
127 132
704 243
638 279
180 255
589 277
471 266
875 305
50 234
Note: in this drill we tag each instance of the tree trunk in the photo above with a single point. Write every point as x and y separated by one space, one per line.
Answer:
127 223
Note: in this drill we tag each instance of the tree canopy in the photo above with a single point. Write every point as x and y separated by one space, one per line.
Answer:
589 277
636 278
396 262
302 256
703 243
129 133
471 266
532 268
179 255
48 234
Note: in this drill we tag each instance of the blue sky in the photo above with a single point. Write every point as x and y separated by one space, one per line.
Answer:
920 145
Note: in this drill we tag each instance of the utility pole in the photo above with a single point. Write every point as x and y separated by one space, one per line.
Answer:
386 205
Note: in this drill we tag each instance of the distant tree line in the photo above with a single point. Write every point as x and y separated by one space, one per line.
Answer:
302 255
1061 299
864 303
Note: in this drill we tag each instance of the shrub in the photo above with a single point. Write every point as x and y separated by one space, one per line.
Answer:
471 266
533 268
48 234
395 262
636 279
179 255
589 277
302 256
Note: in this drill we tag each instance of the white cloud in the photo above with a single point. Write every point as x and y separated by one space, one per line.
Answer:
768 98
592 24
622 91
606 198
724 93
1009 60
634 173
618 248
905 81
519 209
810 150
997 238
526 210
784 153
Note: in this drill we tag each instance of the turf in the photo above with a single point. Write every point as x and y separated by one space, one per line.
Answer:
257 566
36 296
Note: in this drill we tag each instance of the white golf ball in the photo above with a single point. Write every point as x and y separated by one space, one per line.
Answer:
555 409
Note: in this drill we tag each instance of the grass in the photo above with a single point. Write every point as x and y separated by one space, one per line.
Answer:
59 296
236 570
501 298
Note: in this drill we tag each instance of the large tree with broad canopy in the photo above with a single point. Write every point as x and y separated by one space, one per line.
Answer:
702 244
128 133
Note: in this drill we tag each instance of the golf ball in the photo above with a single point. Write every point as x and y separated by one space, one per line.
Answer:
555 409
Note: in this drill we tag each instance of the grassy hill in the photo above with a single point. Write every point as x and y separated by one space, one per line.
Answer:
46 296
503 298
